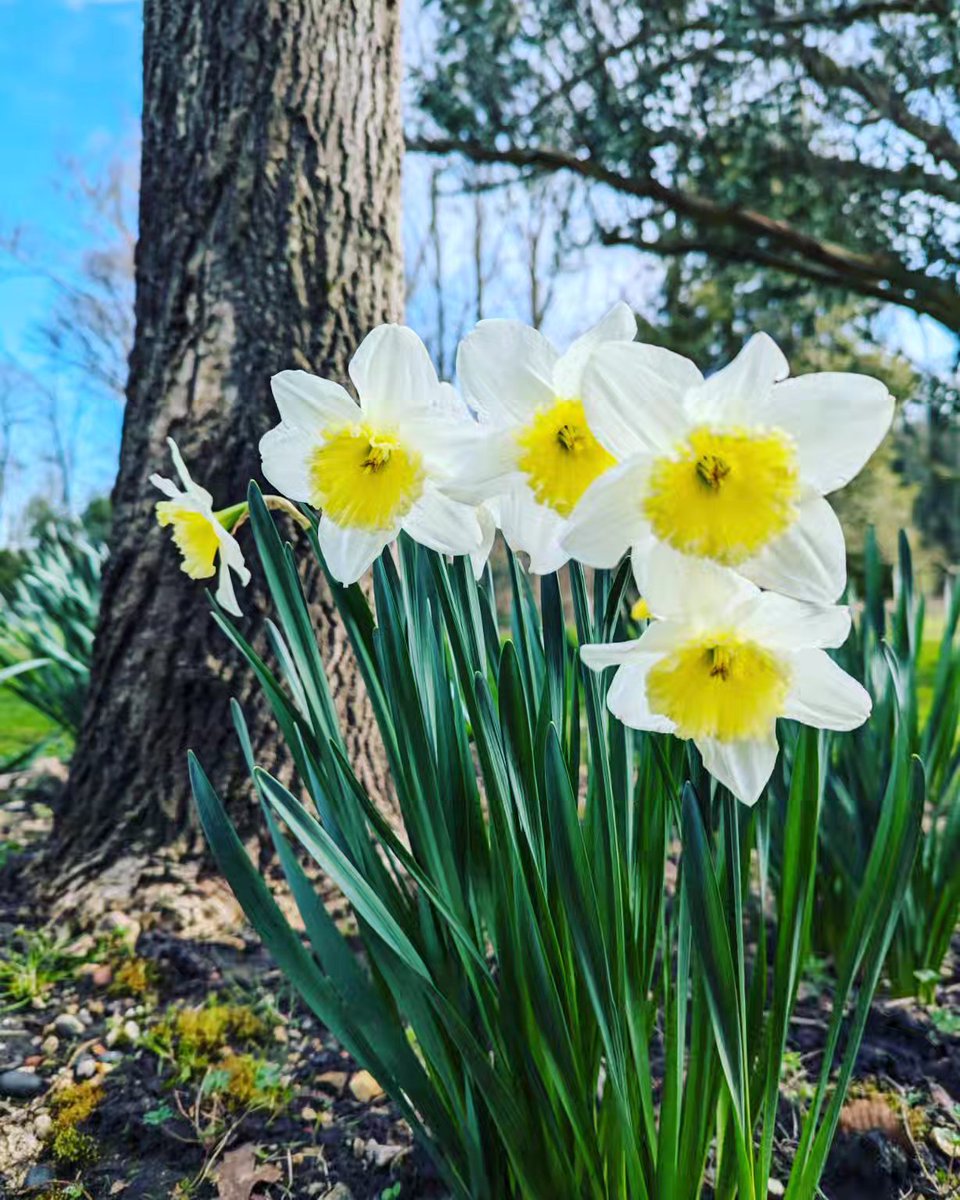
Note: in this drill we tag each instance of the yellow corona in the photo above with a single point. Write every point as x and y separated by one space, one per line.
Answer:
560 456
364 478
194 537
719 686
724 495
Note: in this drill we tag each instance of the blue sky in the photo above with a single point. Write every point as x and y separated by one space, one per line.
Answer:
70 88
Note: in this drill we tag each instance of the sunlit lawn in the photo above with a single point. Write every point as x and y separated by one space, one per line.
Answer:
22 726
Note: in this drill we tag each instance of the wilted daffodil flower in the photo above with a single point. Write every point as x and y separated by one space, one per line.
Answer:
534 449
733 468
722 662
371 469
200 533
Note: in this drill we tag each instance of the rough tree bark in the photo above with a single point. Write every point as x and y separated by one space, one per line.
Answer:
269 238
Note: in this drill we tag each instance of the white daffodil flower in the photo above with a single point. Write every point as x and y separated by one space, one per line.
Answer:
722 661
200 534
534 450
733 468
373 469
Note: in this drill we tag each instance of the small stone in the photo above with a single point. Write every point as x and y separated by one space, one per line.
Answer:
20 1085
364 1087
378 1154
67 1025
85 1017
39 1176
775 1187
33 1060
110 1056
131 1031
50 1045
102 976
333 1081
307 1113
339 1191
280 1034
85 1068
43 1125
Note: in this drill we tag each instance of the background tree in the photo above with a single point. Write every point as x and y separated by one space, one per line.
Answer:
793 167
268 238
815 137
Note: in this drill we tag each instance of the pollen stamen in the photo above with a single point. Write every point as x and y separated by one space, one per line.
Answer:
720 662
712 470
570 437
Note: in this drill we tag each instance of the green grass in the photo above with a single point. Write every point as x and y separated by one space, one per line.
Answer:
21 726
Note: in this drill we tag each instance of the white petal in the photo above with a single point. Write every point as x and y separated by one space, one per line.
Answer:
683 588
506 370
608 518
809 561
478 463
735 394
744 766
311 404
488 515
600 655
658 639
191 488
632 394
285 461
533 529
823 694
443 524
231 554
449 401
837 421
627 697
167 486
393 374
619 325
782 623
226 596
349 552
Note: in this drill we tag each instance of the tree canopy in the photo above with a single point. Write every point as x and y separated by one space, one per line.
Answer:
814 138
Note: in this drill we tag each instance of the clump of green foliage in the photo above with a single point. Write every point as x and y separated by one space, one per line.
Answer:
915 686
194 1039
246 1081
30 966
48 624
71 1106
133 976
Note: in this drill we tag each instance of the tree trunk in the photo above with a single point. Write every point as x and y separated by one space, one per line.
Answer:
269 238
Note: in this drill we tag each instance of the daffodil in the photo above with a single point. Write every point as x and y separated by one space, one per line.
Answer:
534 450
200 533
372 468
722 661
733 469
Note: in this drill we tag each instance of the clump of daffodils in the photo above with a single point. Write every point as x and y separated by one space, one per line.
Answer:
715 487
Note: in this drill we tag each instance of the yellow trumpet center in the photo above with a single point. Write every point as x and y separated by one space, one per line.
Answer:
194 537
365 478
719 686
724 495
560 456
